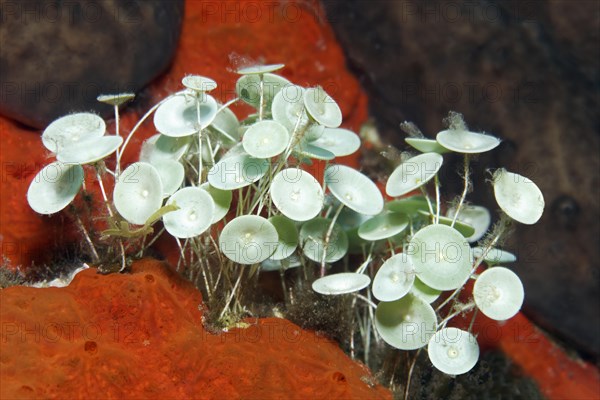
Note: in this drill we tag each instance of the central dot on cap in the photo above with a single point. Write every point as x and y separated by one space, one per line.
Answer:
452 352
295 195
145 193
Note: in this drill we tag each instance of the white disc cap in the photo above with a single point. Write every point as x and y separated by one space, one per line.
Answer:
199 83
194 215
160 147
248 239
312 240
138 193
341 283
265 139
394 279
322 108
90 150
498 293
54 187
407 323
297 194
354 189
453 351
518 197
72 129
466 142
237 171
426 145
441 256
341 142
413 173
178 116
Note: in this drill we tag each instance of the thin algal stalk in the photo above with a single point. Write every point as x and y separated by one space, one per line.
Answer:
465 190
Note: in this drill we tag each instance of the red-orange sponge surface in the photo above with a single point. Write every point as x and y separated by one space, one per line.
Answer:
140 336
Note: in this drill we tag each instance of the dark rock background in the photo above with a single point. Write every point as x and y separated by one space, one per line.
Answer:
57 57
525 71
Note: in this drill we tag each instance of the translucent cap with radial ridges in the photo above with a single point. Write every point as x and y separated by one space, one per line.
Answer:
407 323
341 283
265 139
498 293
178 115
199 83
237 171
90 150
288 107
494 256
227 126
394 279
322 108
260 69
248 88
341 142
248 239
312 240
115 99
441 256
465 229
72 129
195 213
171 175
426 145
383 226
54 187
462 141
518 197
222 201
453 351
423 291
160 147
354 189
413 173
297 194
138 193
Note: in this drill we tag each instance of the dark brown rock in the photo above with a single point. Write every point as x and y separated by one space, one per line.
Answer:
58 56
528 72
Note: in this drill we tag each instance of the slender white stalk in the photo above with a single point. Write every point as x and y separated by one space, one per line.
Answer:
428 204
117 167
95 257
235 286
328 238
437 199
104 196
465 190
261 104
230 102
410 373
366 300
199 140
